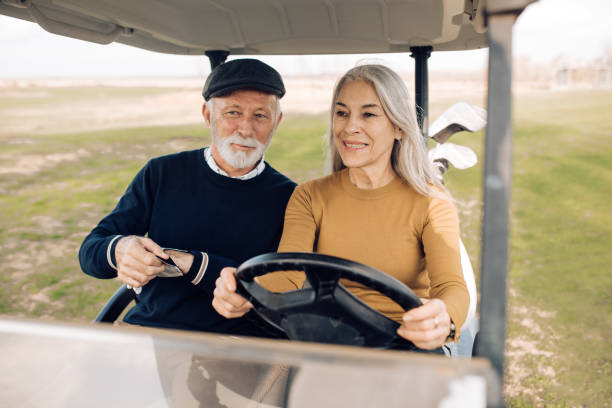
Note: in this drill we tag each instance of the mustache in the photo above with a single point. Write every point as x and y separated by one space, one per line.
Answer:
237 139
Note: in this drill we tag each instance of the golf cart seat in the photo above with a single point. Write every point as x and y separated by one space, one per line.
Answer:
116 305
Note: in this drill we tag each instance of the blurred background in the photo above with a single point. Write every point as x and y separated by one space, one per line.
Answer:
78 120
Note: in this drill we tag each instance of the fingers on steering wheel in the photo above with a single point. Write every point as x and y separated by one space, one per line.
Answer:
229 310
231 298
429 309
228 278
427 333
428 339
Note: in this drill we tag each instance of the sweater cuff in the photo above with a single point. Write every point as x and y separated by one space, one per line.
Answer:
454 318
198 267
213 267
110 251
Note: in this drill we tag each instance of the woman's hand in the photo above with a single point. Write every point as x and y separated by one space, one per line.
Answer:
227 302
426 326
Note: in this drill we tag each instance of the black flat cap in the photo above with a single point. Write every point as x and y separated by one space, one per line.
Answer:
243 74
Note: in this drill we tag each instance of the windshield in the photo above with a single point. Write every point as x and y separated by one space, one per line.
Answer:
76 366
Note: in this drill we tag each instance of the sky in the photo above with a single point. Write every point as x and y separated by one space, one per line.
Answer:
547 29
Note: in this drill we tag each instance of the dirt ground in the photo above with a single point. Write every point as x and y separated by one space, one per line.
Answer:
178 102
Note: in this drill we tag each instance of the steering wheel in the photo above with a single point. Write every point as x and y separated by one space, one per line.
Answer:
324 310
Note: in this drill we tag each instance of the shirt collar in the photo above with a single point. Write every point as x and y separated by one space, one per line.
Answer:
214 167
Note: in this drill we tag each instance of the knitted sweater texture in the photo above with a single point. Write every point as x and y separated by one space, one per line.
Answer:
394 229
179 202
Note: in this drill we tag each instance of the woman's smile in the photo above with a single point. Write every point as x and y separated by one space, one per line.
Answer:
363 134
353 146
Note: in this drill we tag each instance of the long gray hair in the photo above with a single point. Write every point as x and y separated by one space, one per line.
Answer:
409 155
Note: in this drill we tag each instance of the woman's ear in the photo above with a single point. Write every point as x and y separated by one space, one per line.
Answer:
398 133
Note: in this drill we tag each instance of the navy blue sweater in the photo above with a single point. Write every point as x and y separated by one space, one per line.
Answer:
181 203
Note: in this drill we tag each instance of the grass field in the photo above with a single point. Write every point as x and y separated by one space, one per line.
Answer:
54 187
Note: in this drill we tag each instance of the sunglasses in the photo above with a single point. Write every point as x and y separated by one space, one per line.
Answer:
172 270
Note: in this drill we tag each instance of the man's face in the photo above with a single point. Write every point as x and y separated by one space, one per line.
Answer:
242 125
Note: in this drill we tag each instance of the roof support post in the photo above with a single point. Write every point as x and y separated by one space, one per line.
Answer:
497 184
421 87
216 57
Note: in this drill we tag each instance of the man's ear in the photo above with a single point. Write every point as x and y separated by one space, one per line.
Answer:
280 116
206 114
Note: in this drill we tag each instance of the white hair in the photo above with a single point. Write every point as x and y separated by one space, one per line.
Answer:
277 107
409 155
239 160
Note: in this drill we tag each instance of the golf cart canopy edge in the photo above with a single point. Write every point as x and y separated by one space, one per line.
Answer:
258 27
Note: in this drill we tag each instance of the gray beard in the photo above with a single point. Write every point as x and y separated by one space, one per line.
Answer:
238 160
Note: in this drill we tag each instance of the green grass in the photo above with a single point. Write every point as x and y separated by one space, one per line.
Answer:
561 229
298 148
559 278
47 213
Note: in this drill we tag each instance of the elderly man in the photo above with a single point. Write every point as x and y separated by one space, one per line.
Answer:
220 205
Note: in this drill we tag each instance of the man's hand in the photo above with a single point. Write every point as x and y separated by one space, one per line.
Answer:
136 260
182 259
426 326
227 302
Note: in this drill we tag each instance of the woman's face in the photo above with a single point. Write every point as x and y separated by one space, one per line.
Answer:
363 134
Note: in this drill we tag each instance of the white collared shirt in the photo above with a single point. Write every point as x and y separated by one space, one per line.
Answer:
215 167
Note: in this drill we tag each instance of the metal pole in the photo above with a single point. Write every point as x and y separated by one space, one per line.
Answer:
496 189
216 57
421 90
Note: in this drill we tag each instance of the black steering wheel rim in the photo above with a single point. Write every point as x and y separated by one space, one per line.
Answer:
325 311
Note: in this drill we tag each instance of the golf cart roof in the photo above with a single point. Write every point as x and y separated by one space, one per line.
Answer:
192 27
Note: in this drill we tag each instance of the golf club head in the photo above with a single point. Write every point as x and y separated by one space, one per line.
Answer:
459 117
461 157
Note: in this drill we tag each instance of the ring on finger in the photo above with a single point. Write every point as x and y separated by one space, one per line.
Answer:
436 323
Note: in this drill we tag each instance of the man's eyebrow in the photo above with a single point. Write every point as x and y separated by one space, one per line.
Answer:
237 106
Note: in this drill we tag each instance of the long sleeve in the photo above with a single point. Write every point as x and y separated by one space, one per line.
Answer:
180 203
299 233
440 239
205 270
131 216
408 236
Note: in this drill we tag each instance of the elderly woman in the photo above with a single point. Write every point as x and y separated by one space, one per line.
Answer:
382 206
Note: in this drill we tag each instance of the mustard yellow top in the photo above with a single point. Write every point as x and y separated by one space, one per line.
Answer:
394 229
